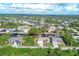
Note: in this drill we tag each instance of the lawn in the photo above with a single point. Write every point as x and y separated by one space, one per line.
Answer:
29 41
37 52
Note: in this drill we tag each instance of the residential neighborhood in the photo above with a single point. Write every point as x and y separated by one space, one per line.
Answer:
39 32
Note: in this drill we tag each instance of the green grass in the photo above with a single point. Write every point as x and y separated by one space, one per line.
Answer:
29 41
48 44
37 52
4 39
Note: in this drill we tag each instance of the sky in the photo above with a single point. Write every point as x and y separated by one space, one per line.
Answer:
39 1
40 8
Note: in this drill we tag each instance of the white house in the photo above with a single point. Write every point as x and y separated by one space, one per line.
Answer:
40 43
24 28
60 27
51 29
15 45
76 37
42 40
55 44
56 41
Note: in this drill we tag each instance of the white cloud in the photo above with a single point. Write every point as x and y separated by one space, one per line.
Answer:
2 6
72 8
39 7
57 8
16 5
38 1
33 7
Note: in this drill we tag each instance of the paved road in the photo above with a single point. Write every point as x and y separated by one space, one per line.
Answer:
63 48
13 32
33 47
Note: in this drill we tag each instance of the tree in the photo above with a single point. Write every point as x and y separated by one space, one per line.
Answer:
68 39
4 39
34 31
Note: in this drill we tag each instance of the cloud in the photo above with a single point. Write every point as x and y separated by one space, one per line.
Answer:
39 8
33 7
2 6
72 8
